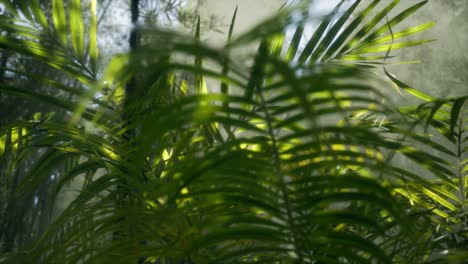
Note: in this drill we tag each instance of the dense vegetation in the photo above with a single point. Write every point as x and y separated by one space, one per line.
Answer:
192 154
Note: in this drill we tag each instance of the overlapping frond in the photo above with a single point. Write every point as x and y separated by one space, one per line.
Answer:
434 141
30 34
445 146
270 168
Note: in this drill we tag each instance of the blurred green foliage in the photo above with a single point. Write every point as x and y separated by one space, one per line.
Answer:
179 152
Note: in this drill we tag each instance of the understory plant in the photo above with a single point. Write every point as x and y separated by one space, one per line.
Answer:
187 153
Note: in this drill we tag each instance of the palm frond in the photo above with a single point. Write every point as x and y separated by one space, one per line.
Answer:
275 167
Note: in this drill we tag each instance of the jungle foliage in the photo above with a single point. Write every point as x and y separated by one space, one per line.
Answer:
189 153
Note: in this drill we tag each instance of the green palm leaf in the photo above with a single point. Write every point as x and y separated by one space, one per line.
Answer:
284 164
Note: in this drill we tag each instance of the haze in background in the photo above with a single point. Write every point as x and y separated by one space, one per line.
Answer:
444 70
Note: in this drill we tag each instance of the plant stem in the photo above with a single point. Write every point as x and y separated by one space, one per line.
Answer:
461 180
277 164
